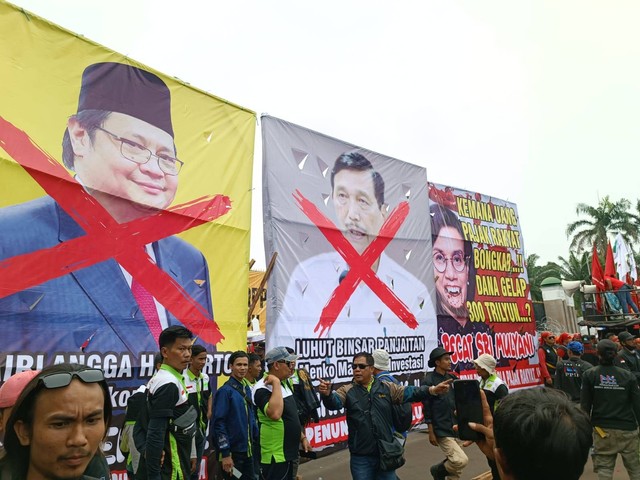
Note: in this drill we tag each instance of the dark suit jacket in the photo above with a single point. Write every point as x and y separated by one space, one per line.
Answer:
92 306
629 361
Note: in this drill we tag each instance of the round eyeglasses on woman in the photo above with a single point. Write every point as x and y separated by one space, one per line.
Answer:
458 261
140 154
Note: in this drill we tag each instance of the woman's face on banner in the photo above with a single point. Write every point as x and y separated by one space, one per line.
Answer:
451 271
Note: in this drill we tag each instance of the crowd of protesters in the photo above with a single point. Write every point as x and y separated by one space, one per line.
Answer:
602 377
256 422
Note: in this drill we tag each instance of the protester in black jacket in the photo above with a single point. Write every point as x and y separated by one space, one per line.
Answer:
368 403
569 372
590 355
628 357
612 398
439 415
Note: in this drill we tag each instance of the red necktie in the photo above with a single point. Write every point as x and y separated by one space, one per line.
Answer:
147 307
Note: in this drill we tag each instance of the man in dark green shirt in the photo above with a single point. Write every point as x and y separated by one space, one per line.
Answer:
611 396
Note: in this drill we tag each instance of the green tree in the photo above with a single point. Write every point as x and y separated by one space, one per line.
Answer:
607 217
576 268
537 273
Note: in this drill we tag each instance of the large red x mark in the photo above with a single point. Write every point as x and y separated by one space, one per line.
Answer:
359 265
105 238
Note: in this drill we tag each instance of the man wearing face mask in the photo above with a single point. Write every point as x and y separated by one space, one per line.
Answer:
628 357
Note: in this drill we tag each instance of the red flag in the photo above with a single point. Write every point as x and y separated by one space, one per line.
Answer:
609 267
597 277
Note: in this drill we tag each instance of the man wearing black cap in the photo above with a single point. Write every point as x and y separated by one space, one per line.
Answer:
628 357
610 395
120 144
439 415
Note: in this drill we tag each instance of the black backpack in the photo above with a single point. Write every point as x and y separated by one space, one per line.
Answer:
402 415
306 399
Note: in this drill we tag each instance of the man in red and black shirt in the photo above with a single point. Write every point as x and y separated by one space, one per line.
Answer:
548 357
561 344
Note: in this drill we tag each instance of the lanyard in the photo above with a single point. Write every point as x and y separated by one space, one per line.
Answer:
199 384
175 373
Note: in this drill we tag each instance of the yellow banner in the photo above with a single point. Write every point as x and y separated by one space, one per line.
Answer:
154 192
260 309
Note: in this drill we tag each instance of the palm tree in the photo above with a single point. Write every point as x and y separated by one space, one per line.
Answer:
576 268
537 273
608 216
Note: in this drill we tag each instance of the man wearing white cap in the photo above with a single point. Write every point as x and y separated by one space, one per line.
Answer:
494 389
402 413
382 365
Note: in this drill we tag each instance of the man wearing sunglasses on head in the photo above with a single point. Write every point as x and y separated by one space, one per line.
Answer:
280 431
57 424
368 404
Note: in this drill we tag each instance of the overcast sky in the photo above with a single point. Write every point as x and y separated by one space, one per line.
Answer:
535 102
